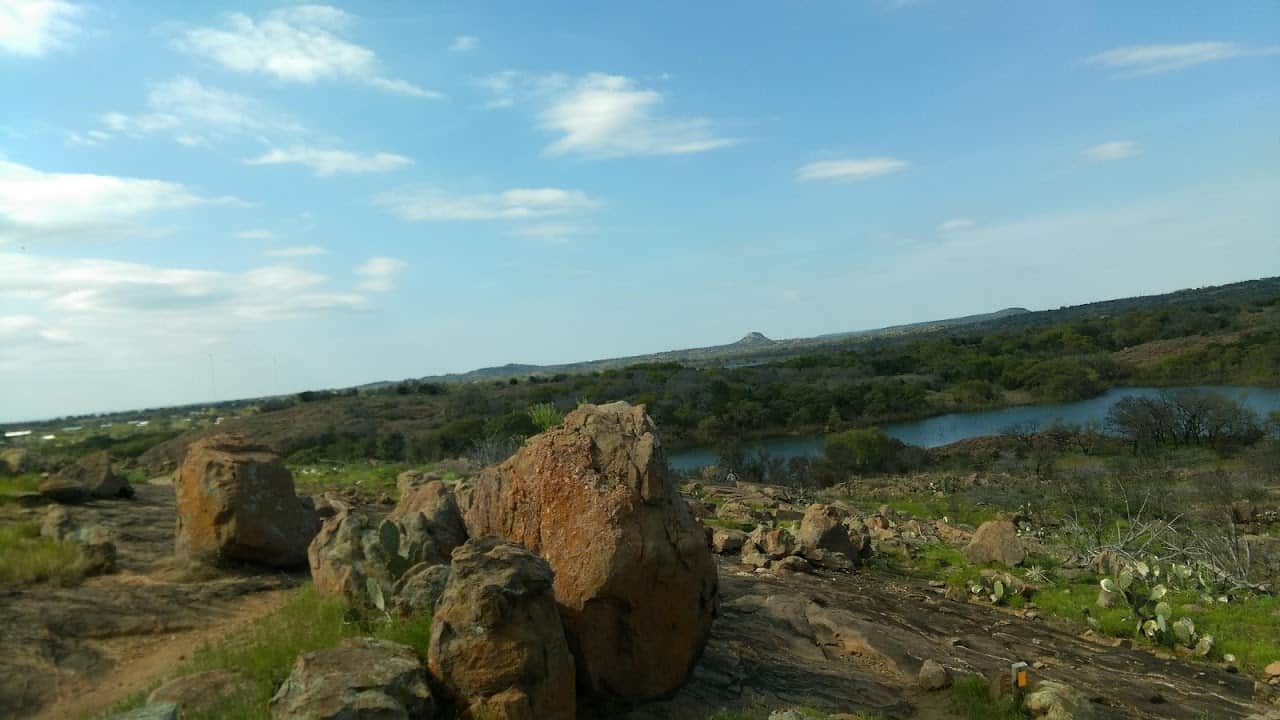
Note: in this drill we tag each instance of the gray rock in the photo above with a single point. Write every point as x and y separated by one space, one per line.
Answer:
154 711
933 676
361 679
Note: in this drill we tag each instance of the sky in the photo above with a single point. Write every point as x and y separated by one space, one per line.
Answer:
204 201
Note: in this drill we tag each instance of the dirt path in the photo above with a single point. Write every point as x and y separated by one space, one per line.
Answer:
68 652
139 662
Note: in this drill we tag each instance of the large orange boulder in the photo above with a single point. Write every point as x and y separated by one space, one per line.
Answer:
497 645
634 577
236 501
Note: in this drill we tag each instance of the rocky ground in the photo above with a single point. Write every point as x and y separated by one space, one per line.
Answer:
833 641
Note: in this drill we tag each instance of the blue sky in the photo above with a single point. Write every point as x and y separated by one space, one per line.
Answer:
222 201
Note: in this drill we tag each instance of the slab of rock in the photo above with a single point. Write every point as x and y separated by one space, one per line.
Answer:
727 540
996 541
634 577
361 678
150 711
1056 701
88 478
200 692
236 501
497 645
57 524
410 480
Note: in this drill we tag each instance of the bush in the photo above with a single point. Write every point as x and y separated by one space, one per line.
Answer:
27 558
545 416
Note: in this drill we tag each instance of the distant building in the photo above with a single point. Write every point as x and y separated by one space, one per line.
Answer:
17 433
48 437
72 428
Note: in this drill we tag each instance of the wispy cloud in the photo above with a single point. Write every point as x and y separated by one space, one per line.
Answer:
852 169
44 205
517 204
957 225
188 110
85 286
256 234
464 43
324 162
1114 150
605 116
301 44
297 252
380 273
552 233
1134 60
33 28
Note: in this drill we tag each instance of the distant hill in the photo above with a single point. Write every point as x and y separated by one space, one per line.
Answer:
752 347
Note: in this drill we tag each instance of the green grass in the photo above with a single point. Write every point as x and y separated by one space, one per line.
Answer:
728 524
971 699
1248 628
956 508
369 479
11 487
27 558
264 653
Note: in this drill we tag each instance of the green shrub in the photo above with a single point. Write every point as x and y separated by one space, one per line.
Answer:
545 416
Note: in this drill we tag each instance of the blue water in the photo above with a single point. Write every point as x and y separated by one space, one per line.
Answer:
953 427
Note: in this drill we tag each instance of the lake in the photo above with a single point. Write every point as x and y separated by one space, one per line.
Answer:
953 427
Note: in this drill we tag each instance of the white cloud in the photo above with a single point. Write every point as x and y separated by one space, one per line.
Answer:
299 44
603 115
957 224
332 162
379 273
187 108
1114 150
35 27
1135 60
464 43
293 252
516 204
255 234
89 290
35 204
852 169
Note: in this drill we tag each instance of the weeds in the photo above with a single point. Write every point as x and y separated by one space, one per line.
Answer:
26 557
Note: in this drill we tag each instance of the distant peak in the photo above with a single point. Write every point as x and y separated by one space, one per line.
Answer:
754 338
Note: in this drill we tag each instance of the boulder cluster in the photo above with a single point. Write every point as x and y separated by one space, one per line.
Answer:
572 572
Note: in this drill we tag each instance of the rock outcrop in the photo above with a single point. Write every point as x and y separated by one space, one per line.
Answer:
201 692
236 501
996 541
88 478
16 461
441 521
823 528
361 678
497 645
634 578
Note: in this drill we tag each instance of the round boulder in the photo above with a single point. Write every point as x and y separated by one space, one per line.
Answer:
996 541
236 501
634 576
497 645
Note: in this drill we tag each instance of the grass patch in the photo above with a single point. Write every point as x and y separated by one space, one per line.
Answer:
956 508
13 487
728 524
264 653
971 698
369 479
27 558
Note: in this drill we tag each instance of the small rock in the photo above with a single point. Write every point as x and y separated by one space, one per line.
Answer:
727 540
1272 670
755 559
57 524
201 692
361 678
933 676
996 541
775 543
